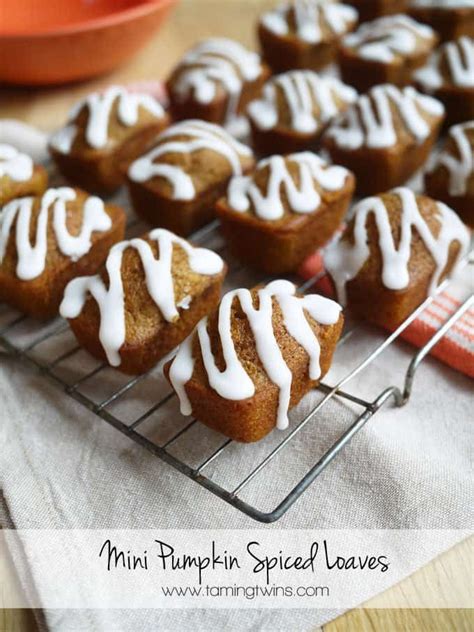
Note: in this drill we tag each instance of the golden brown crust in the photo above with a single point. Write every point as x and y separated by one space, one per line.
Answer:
450 23
380 169
149 337
281 245
251 419
40 297
102 170
216 110
210 171
437 183
367 296
11 189
289 52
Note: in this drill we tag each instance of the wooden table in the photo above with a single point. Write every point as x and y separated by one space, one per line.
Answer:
192 20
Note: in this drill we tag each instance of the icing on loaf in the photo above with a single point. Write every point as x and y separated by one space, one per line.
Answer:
460 163
311 101
443 4
451 64
32 258
370 122
14 164
212 63
187 137
387 38
303 196
311 18
99 108
344 260
158 278
234 383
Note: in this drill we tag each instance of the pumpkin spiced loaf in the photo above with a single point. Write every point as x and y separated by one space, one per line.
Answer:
304 33
449 18
19 176
385 137
104 133
449 77
289 207
397 248
294 110
254 358
214 81
450 176
386 50
175 185
46 241
144 301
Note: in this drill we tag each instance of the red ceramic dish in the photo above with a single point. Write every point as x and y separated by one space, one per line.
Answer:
66 40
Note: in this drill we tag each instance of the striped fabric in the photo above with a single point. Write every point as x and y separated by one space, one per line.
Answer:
456 348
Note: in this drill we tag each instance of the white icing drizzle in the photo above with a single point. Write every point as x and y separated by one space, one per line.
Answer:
14 164
382 39
311 100
213 62
99 108
460 167
198 135
443 4
344 260
243 193
370 121
309 15
233 382
158 278
32 258
458 57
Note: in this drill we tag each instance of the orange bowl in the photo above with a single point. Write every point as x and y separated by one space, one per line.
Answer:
58 41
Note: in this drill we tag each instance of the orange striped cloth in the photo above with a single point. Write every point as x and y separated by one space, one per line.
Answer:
456 348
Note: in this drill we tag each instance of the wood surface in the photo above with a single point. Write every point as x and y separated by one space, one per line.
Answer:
46 108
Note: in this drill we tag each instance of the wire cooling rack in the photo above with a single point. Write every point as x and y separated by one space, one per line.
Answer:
153 421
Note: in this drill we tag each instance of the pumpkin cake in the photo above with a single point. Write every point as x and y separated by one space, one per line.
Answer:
397 248
386 50
104 133
46 241
294 110
304 33
19 176
286 209
450 176
176 184
144 301
385 137
254 358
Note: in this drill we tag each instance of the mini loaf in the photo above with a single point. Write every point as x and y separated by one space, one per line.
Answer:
387 50
304 33
19 176
396 250
294 110
46 241
176 184
449 76
385 137
289 207
104 133
449 18
371 9
450 176
214 81
145 301
254 358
